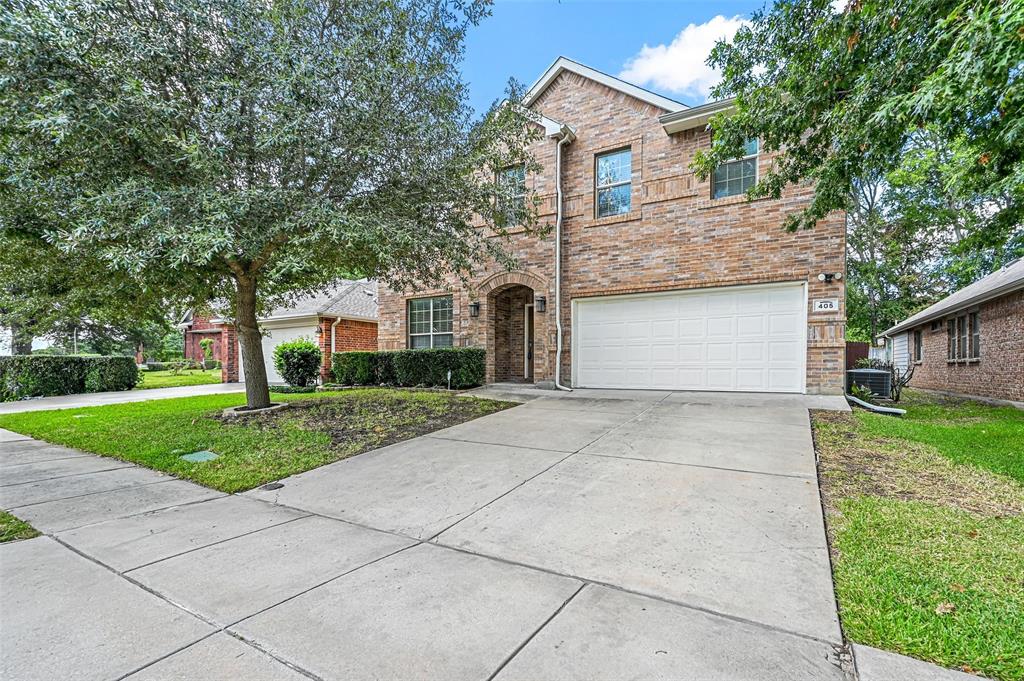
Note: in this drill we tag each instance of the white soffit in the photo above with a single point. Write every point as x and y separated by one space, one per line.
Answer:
696 117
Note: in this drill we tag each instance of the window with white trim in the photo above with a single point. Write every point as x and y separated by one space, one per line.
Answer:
737 176
963 337
513 181
430 323
918 342
613 180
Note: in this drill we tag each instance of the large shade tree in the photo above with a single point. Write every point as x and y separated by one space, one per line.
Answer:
840 93
252 150
907 113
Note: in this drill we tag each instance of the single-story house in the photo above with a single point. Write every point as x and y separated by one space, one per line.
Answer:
968 343
340 318
650 277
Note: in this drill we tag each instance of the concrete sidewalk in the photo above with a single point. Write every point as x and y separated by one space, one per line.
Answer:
119 397
580 536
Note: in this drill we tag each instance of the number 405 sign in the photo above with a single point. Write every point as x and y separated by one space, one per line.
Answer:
826 305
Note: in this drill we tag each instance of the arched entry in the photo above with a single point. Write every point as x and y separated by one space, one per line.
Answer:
515 330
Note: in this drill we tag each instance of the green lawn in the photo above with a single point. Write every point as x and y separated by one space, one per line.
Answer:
926 524
315 430
966 432
12 528
168 379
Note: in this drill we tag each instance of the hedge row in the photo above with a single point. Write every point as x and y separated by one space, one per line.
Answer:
411 368
24 376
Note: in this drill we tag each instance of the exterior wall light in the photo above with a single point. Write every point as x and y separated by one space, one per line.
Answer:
540 304
829 276
474 309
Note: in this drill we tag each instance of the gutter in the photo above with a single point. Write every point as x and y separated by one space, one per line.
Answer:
696 117
566 136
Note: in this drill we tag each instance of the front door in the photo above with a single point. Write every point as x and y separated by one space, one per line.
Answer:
528 350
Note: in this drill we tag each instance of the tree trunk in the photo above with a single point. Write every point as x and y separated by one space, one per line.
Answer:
21 342
257 390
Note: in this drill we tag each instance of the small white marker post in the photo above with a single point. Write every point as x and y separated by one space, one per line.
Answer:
449 379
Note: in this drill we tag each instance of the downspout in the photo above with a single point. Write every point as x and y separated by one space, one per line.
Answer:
330 348
565 139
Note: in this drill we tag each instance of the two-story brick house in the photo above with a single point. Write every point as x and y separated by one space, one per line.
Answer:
654 278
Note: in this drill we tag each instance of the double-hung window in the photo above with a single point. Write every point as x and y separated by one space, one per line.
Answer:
736 177
917 345
430 322
963 336
513 197
614 182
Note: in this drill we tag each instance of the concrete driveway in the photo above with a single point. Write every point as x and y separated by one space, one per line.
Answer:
592 535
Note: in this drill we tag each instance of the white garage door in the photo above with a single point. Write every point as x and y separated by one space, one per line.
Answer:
271 338
738 338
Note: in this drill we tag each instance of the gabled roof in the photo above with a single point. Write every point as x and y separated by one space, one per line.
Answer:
346 298
1006 280
562 64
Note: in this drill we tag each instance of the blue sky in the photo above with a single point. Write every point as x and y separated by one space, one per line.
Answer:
523 37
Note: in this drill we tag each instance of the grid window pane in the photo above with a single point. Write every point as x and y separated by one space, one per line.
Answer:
737 177
613 201
514 179
951 339
614 168
431 322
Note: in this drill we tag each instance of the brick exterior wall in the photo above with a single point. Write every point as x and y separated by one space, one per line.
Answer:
349 334
998 373
202 328
676 237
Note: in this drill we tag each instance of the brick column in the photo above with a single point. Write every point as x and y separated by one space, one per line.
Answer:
229 354
324 341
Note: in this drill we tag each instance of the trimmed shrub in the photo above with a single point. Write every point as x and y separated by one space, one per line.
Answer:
24 376
298 361
105 374
428 368
355 368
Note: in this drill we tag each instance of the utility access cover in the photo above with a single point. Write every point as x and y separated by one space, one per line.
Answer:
202 455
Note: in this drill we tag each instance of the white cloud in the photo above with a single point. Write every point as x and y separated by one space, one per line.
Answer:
679 66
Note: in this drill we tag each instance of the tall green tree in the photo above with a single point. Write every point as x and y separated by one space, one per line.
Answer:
839 94
46 292
254 150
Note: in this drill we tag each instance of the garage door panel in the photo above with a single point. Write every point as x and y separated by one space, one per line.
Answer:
750 325
751 379
721 326
739 339
720 379
720 352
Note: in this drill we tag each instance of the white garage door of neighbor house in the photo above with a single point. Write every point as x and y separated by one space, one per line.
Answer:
271 339
750 338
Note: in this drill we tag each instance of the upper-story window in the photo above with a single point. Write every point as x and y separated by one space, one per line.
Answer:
613 180
513 181
736 177
430 322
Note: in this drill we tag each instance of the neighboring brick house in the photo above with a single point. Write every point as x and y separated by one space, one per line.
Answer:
971 342
342 317
666 281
